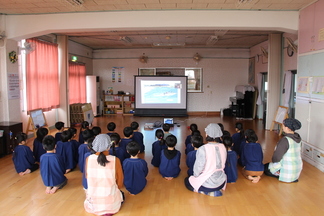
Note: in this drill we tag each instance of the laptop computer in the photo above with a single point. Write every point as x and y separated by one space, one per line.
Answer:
168 121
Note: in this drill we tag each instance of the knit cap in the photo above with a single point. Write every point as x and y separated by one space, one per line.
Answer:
213 130
292 124
101 143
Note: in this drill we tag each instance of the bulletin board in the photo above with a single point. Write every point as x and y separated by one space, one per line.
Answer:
36 120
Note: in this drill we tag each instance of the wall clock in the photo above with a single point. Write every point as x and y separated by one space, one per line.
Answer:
13 56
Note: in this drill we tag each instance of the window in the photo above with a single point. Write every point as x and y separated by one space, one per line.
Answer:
42 75
194 79
77 83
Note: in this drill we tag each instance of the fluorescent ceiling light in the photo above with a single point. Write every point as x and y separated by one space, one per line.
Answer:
168 44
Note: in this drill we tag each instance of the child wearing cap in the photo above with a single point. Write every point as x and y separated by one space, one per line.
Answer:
286 162
208 173
105 177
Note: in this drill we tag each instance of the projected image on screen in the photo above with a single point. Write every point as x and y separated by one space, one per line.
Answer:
157 92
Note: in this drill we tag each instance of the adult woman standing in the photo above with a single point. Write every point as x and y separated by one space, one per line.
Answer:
286 162
209 176
104 176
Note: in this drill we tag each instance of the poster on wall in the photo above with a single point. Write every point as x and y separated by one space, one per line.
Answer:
13 86
113 74
318 85
303 85
116 71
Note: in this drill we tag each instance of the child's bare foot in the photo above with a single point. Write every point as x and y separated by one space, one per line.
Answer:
256 179
131 194
21 173
53 190
67 171
48 189
27 171
168 178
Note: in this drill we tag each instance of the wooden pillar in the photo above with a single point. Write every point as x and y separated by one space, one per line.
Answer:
274 71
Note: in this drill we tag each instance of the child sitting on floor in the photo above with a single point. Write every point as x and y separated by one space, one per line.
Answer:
252 157
60 128
128 134
137 135
166 130
193 127
64 148
111 126
135 169
52 167
170 159
38 149
196 142
22 156
157 147
115 149
231 160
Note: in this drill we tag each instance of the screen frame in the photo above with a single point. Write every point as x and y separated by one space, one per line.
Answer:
161 110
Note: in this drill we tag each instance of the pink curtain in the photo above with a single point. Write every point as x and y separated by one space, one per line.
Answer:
42 76
77 83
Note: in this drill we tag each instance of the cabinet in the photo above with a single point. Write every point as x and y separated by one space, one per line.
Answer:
10 129
128 104
118 104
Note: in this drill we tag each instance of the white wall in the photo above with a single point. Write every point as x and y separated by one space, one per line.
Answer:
223 69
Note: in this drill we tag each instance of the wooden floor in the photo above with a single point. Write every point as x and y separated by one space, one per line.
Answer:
25 195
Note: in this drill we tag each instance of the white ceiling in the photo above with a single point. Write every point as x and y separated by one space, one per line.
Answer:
146 39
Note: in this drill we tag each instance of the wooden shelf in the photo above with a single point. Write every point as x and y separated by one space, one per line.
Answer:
118 104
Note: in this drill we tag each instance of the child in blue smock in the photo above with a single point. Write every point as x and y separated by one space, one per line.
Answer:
193 127
137 135
52 167
75 144
115 149
38 149
111 126
157 147
22 156
135 169
252 157
96 130
170 159
64 148
128 134
196 142
87 154
60 128
189 146
231 160
83 148
238 138
84 126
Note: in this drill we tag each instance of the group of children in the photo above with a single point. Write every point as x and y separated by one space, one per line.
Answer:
242 148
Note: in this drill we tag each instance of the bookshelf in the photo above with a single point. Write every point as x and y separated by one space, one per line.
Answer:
118 104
